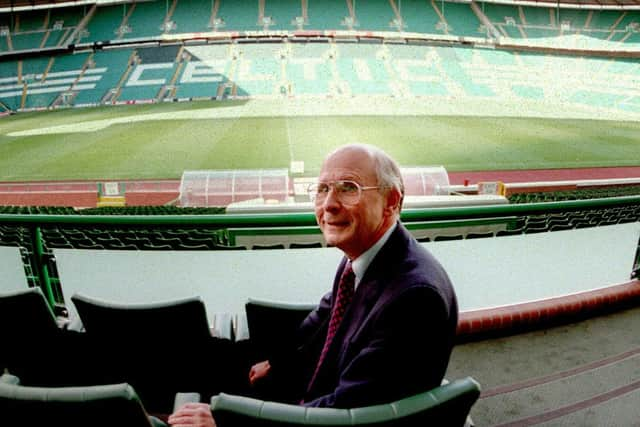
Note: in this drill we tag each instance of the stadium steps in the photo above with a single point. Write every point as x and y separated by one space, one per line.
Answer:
579 374
615 25
82 27
168 18
442 25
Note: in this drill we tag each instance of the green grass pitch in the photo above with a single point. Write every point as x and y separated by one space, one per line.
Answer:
161 141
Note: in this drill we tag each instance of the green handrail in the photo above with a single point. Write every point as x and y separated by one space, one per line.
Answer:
308 218
40 266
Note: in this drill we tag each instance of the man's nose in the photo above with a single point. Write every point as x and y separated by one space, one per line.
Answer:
331 201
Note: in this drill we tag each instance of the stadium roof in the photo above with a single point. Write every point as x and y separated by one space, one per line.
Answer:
17 5
587 4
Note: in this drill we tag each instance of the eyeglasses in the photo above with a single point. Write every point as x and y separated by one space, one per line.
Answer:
348 192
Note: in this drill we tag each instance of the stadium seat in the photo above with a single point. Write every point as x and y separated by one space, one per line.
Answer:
275 246
478 235
272 324
29 331
445 238
305 245
149 346
96 406
447 405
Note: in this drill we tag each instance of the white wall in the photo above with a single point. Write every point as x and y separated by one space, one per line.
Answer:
485 272
12 276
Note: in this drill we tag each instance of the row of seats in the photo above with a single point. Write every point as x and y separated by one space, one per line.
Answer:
119 404
318 69
33 30
111 210
156 350
138 238
578 194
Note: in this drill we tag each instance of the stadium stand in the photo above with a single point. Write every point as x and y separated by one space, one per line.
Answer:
258 69
62 22
191 16
283 15
373 16
302 69
240 66
327 15
359 66
419 17
238 16
459 19
148 20
154 69
205 71
105 23
308 71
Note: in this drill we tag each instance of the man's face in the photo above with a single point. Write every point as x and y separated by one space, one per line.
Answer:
353 228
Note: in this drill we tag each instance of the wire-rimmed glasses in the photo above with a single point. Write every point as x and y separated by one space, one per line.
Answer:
348 192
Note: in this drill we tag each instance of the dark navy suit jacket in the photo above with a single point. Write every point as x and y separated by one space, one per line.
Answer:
394 341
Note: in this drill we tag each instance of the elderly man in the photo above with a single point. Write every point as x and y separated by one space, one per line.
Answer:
386 330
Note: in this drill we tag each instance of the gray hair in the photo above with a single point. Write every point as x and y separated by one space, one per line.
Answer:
387 169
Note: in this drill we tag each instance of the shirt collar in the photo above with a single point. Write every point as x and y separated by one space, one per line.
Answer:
361 263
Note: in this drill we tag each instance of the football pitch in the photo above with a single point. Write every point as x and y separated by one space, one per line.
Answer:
161 141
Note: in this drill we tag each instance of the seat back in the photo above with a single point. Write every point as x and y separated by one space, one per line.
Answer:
185 318
273 324
95 406
447 405
14 321
150 347
29 332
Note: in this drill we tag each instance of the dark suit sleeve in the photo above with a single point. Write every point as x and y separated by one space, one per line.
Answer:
406 351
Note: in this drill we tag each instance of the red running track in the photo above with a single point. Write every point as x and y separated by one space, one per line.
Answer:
158 192
543 175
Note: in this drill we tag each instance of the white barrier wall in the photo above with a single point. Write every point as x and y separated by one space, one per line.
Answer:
12 277
486 272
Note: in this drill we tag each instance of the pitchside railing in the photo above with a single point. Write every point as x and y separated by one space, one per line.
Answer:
34 236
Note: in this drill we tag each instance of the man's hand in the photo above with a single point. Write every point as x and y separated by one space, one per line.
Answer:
259 371
192 415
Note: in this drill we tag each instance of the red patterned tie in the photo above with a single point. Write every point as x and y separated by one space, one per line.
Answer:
343 299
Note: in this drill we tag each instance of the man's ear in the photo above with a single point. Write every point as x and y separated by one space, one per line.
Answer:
394 199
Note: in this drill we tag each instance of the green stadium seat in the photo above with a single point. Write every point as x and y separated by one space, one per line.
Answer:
296 245
95 406
282 14
419 17
267 247
146 20
327 15
238 16
447 405
446 238
374 16
478 235
512 232
192 16
461 20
